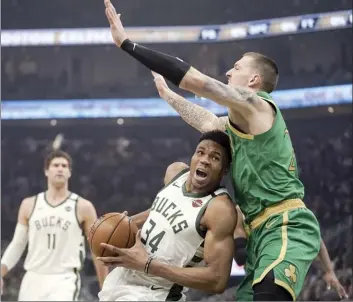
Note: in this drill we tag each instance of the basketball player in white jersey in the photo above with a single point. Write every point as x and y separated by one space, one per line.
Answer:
187 239
53 223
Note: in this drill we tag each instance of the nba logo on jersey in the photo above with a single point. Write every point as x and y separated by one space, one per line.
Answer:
197 203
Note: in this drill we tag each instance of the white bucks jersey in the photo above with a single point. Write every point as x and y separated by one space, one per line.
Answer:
56 243
172 230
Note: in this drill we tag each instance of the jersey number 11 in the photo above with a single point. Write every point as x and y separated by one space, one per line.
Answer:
51 241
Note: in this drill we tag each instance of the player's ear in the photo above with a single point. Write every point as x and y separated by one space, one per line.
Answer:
254 80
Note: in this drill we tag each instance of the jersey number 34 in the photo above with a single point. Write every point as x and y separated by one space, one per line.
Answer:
154 241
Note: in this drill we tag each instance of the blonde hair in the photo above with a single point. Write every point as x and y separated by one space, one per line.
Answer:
268 70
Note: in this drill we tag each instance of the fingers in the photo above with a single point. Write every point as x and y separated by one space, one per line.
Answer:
110 7
110 260
156 75
111 16
158 78
125 213
328 286
113 249
110 12
341 292
138 236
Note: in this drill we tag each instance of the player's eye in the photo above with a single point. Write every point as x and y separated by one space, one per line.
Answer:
199 152
216 158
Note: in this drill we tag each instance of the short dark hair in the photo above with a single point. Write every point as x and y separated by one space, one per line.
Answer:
268 70
221 138
56 154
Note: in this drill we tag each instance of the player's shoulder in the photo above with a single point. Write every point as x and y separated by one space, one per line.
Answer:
29 201
85 210
222 200
221 206
174 170
84 204
27 206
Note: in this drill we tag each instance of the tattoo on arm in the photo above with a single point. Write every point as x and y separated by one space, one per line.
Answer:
196 116
227 95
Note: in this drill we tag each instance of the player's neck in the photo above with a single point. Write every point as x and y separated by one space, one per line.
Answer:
191 189
57 194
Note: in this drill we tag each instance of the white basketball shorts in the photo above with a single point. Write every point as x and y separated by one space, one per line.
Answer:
44 287
118 288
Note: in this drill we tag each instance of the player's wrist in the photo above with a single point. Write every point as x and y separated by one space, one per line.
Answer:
147 265
125 43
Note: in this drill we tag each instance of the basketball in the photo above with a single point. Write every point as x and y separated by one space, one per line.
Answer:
113 228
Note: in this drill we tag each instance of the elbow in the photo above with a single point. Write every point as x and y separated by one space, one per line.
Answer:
218 279
218 287
219 283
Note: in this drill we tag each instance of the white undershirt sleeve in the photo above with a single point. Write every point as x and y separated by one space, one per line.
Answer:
16 247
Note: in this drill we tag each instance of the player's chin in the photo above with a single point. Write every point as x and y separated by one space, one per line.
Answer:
60 181
200 182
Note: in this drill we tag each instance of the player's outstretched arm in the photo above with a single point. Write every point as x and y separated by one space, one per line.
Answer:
196 116
180 73
88 215
19 241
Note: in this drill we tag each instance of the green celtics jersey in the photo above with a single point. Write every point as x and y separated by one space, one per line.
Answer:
264 169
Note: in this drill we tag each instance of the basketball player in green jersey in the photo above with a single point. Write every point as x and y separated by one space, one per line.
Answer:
284 235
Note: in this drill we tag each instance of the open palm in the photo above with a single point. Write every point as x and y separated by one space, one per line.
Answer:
116 27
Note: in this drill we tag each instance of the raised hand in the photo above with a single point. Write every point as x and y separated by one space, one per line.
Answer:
161 84
116 27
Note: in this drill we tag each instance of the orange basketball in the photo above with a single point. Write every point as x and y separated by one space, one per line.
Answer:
114 229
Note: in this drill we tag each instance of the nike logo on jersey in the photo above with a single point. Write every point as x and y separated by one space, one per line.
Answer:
156 288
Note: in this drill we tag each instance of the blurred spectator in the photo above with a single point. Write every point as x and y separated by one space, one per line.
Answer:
304 60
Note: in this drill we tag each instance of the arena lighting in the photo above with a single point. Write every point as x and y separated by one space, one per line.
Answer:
179 34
